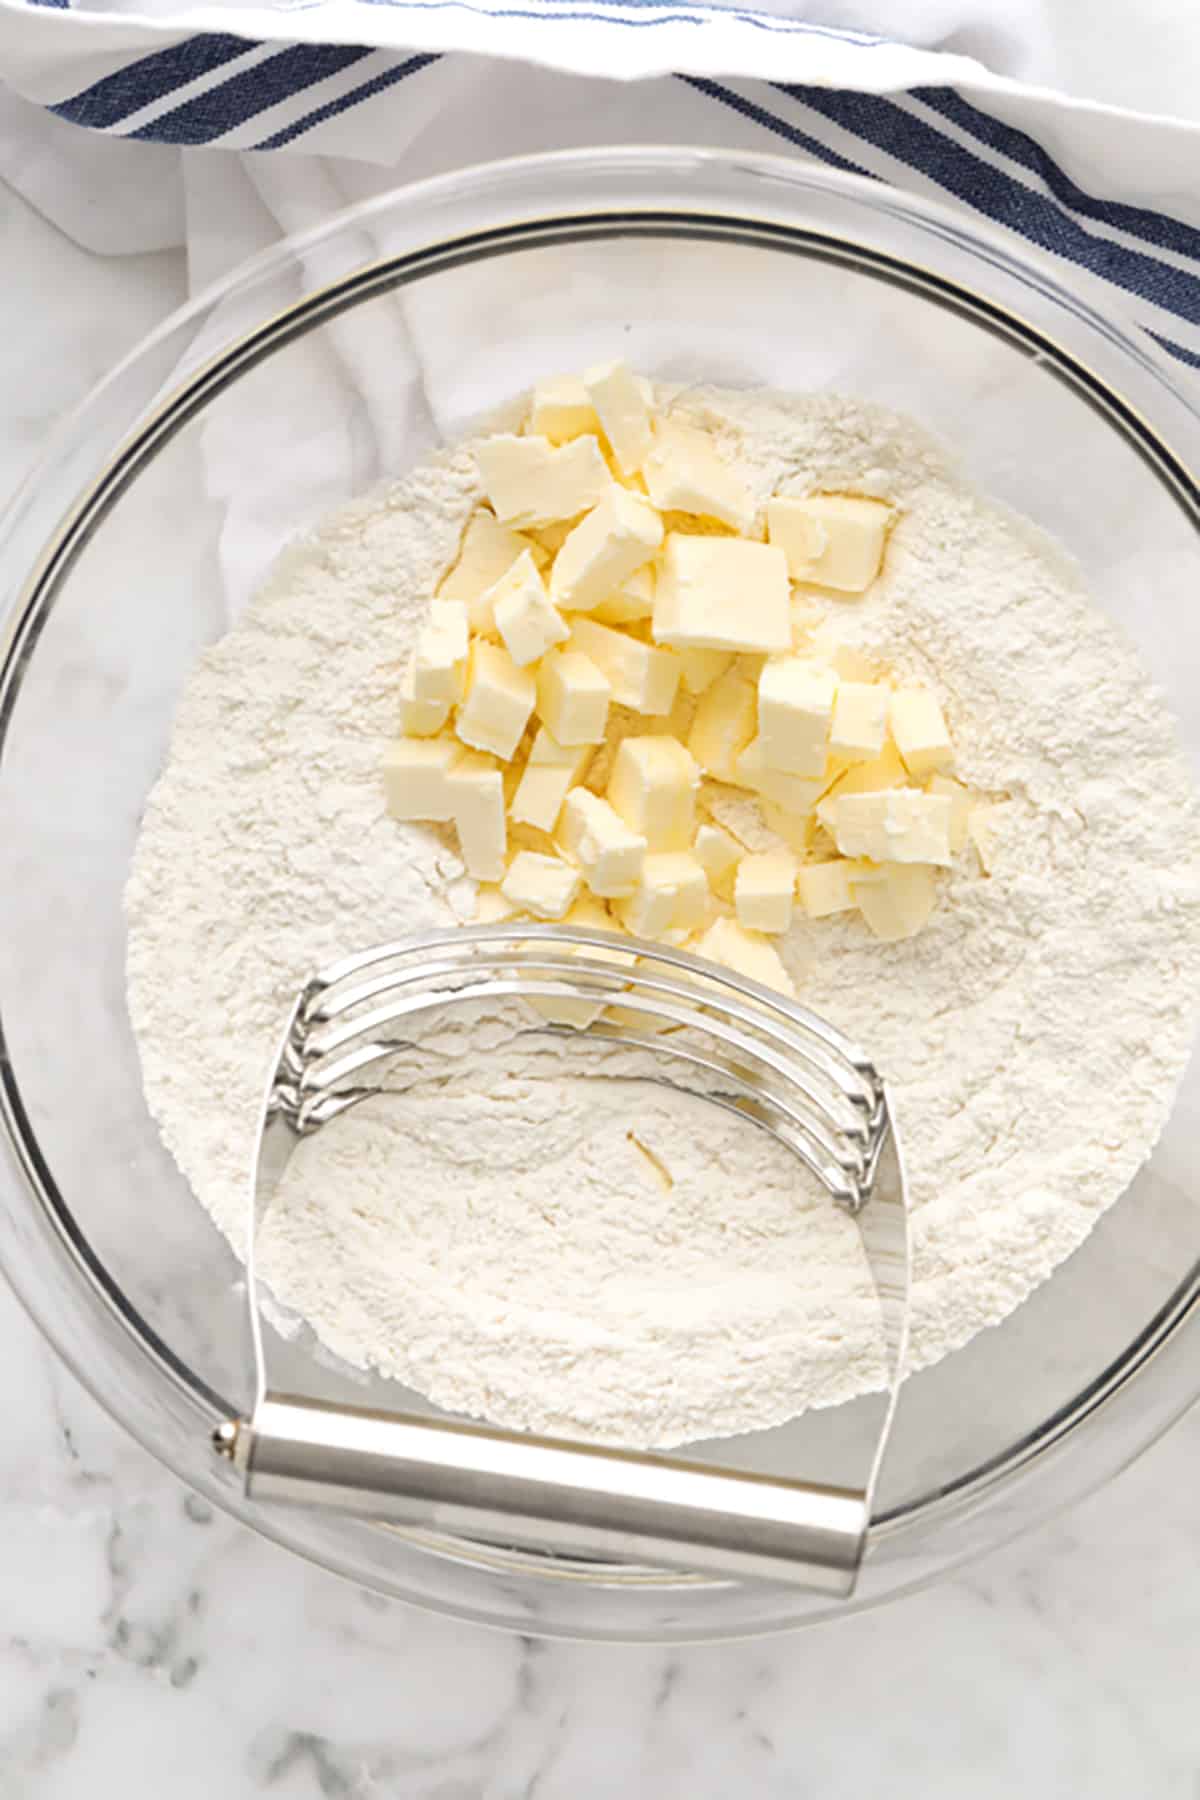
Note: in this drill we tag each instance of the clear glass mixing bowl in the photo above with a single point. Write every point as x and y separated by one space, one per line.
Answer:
348 354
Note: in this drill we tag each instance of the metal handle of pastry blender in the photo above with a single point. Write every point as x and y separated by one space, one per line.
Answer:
554 1495
575 1499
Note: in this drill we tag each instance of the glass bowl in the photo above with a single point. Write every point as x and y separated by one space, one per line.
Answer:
348 354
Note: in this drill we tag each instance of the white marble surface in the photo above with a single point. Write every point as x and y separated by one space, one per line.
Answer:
150 1647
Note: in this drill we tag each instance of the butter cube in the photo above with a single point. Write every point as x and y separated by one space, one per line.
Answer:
984 825
439 659
795 708
598 840
855 531
960 807
477 806
542 885
415 776
746 953
718 855
764 891
796 794
825 888
919 729
638 675
530 483
551 771
718 593
491 906
488 550
672 895
897 826
896 902
724 724
883 771
562 410
653 787
860 720
528 624
572 697
499 700
616 539
621 407
700 668
684 472
419 718
631 601
592 915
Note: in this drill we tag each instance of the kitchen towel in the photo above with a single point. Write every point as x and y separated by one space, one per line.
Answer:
1073 127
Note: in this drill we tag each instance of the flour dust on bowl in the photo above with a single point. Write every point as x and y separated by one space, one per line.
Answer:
148 614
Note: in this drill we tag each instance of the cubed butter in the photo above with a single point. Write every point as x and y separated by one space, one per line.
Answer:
653 788
718 855
700 668
548 776
595 838
562 409
624 417
718 593
896 826
858 730
440 657
724 724
960 807
984 825
527 622
491 906
919 728
618 537
419 718
477 806
531 483
499 699
684 472
672 895
415 777
896 902
764 891
544 886
796 794
639 675
630 602
795 708
488 550
747 953
855 532
572 697
824 888
883 771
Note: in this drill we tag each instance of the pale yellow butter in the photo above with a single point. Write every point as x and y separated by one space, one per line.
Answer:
919 728
653 788
684 472
639 675
488 550
572 697
530 483
562 409
544 886
764 891
896 902
597 839
527 622
825 888
415 772
671 896
718 855
747 953
855 532
896 826
717 593
700 668
631 601
549 774
499 700
724 724
419 718
618 537
960 807
795 709
620 405
476 794
858 729
440 656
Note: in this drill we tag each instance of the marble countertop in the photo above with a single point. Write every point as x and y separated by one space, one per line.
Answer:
151 1647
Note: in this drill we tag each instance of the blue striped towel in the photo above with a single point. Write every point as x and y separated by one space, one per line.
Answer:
1112 193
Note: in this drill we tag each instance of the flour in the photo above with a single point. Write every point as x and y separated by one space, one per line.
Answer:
508 1247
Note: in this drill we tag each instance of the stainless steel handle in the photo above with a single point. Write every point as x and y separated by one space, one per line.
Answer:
573 1499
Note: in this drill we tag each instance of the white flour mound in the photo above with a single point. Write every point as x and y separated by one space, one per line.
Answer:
508 1248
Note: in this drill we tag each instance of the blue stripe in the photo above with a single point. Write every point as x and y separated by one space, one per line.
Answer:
999 197
758 115
149 78
1178 351
760 21
1139 221
364 91
222 109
